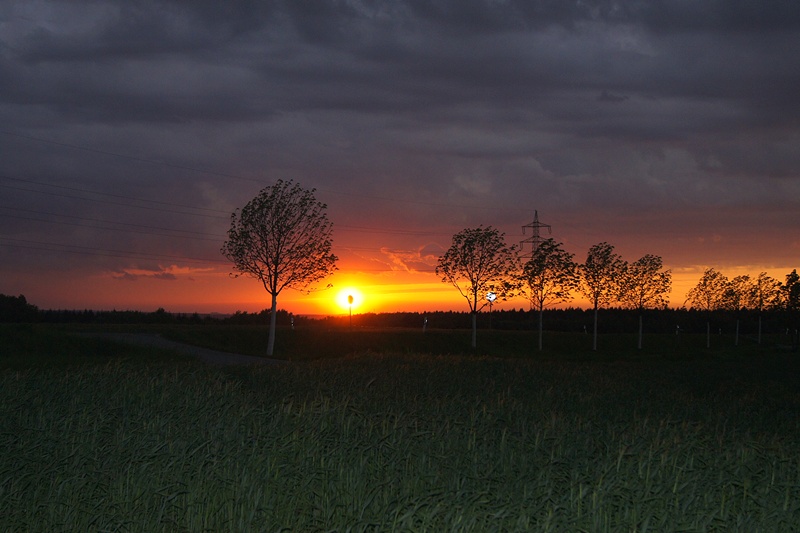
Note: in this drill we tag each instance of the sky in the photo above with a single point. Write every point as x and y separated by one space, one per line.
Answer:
130 130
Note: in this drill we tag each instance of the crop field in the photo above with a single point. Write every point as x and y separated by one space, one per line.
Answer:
320 343
102 436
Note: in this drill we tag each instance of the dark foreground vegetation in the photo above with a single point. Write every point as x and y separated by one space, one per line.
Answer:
104 436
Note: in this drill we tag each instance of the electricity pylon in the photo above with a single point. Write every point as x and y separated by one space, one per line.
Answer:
536 239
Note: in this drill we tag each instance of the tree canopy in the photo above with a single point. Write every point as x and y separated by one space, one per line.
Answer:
644 284
766 292
711 292
791 291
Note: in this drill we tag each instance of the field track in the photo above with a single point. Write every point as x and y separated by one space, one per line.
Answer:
209 356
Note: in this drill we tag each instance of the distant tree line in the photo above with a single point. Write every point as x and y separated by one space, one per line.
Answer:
17 309
616 320
12 311
747 323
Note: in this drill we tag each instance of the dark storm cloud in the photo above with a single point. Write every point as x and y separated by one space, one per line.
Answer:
196 61
576 107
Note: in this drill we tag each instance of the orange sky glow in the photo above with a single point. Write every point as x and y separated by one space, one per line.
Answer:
214 291
416 292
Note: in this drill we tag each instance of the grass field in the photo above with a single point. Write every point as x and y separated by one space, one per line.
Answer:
320 343
99 436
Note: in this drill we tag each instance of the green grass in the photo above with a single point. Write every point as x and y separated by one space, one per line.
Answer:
27 345
124 440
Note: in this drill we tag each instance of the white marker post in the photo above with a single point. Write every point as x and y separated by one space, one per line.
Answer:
491 296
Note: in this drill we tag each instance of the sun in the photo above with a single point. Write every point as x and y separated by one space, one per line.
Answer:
343 298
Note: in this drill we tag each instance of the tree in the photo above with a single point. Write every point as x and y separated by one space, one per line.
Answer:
549 277
478 262
741 293
712 293
791 291
644 285
791 301
766 294
282 237
17 309
599 277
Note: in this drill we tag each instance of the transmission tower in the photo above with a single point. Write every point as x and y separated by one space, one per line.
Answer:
536 238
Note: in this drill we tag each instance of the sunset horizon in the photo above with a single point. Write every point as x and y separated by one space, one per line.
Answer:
423 292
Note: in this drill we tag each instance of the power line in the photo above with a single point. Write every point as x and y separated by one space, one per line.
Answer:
134 229
78 224
108 202
86 250
86 191
345 227
111 202
125 156
244 178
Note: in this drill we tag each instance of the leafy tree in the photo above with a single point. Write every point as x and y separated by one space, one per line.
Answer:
549 277
791 299
477 262
644 285
282 237
712 291
740 293
599 277
791 291
766 293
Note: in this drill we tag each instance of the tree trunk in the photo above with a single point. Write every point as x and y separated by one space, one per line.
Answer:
474 329
639 344
541 320
272 322
759 329
594 339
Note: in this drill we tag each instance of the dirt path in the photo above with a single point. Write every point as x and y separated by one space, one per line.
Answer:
209 356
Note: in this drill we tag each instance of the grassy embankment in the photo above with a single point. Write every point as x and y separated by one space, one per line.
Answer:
102 436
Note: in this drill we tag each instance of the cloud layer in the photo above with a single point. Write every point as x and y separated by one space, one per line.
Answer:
131 129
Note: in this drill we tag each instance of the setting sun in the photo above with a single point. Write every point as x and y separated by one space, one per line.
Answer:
343 298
